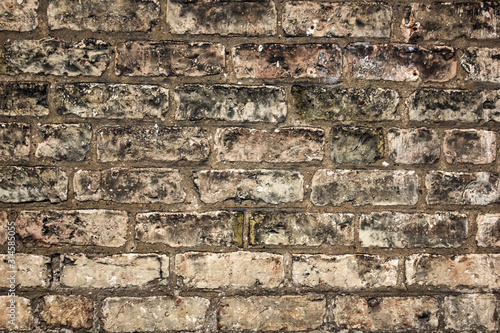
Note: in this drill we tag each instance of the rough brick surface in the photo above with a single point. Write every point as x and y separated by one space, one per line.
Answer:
357 144
23 317
413 145
309 229
481 64
129 185
296 144
469 312
488 230
271 313
4 220
77 227
239 270
19 15
114 101
64 142
146 143
32 270
470 146
267 61
23 99
248 18
190 229
73 311
14 141
373 187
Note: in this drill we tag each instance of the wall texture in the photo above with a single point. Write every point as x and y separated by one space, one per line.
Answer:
195 165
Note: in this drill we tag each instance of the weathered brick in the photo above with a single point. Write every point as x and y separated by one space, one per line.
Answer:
470 271
337 19
309 229
32 270
386 313
440 21
23 99
364 187
462 188
14 141
54 57
345 272
271 313
73 311
25 184
19 15
92 227
269 61
357 144
142 58
121 270
190 229
471 312
142 185
21 313
410 230
164 313
4 227
269 186
482 64
488 230
230 103
470 146
238 270
248 18
413 145
294 144
469 106
400 62
114 101
345 104
64 142
107 15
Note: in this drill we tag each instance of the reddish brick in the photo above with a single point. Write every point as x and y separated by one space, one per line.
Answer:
14 141
488 230
19 15
4 227
73 311
470 146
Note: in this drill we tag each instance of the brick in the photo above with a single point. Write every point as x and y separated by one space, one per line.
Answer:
19 15
4 227
286 61
307 18
458 272
386 313
26 184
295 144
364 187
151 143
462 188
124 185
92 227
231 103
64 142
121 270
14 141
344 272
114 101
32 270
165 58
268 186
488 230
271 313
413 145
247 18
73 311
471 312
219 228
357 144
23 99
108 16
22 315
481 64
411 230
469 106
448 21
400 62
55 57
345 104
235 270
149 314
470 146
308 229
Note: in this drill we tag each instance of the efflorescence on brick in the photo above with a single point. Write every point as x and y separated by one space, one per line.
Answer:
249 166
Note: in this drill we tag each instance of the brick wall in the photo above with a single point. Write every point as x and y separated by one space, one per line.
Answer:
180 165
